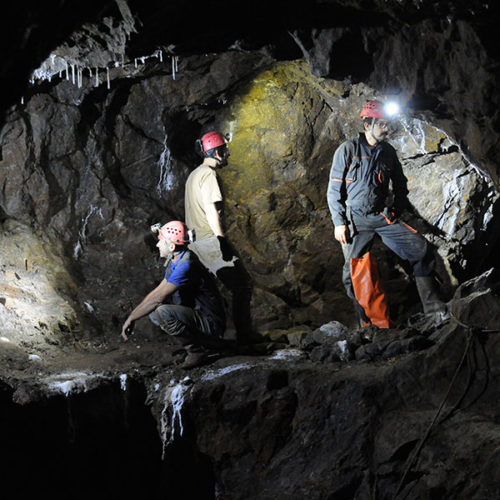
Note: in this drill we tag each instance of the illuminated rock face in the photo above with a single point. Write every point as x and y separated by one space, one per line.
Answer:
36 292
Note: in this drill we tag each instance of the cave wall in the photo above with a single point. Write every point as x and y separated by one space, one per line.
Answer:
85 169
99 143
92 168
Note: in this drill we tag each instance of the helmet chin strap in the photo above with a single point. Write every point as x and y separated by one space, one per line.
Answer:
220 161
168 259
370 131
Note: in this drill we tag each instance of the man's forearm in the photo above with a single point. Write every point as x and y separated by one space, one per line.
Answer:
148 305
152 300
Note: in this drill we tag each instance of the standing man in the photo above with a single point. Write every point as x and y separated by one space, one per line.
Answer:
359 198
203 205
195 315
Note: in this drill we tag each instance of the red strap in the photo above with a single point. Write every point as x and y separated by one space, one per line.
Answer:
409 227
387 219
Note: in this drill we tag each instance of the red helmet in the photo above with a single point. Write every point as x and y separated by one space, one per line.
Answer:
212 140
373 109
174 231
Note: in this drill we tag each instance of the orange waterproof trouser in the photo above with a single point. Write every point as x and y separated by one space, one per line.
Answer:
367 289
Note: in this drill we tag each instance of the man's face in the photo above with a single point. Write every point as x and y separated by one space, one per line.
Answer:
380 130
223 156
163 247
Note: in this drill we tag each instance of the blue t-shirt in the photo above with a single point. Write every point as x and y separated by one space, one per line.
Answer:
195 288
178 274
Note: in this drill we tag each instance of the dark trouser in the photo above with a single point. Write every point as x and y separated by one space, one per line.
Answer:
186 325
238 282
235 278
403 240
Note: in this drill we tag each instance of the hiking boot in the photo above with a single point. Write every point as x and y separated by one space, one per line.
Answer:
199 357
194 359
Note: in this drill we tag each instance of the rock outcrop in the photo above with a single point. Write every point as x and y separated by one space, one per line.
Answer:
336 413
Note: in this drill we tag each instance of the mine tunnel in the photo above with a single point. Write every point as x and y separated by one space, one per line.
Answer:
103 108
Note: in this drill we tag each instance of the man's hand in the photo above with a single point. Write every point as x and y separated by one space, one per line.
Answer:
225 248
127 329
342 233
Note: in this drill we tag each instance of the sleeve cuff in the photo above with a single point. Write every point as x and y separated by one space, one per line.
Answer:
339 220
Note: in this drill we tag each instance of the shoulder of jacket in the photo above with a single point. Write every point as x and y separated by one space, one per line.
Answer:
388 147
348 146
351 143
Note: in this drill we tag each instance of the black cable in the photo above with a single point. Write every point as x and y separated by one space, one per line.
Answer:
417 450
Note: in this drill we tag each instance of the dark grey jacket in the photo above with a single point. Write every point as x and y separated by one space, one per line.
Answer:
360 179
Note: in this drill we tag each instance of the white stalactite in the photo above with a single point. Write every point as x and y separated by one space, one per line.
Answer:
165 163
82 234
174 400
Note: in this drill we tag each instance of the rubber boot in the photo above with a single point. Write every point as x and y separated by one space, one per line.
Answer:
368 290
431 302
360 316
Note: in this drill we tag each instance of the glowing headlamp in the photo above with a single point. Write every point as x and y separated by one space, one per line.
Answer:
391 109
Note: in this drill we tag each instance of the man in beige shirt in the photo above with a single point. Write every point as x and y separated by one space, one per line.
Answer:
203 205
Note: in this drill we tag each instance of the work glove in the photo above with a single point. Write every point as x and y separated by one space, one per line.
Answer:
225 248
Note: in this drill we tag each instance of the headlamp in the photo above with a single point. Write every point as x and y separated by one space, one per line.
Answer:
391 109
155 228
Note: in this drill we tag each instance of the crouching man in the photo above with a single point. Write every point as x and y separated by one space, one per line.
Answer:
194 316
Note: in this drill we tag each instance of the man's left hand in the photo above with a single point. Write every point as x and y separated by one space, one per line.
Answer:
127 330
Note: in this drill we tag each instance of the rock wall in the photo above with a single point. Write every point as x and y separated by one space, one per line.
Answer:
92 169
89 159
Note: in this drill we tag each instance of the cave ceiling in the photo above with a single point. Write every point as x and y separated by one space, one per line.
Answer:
340 39
33 30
